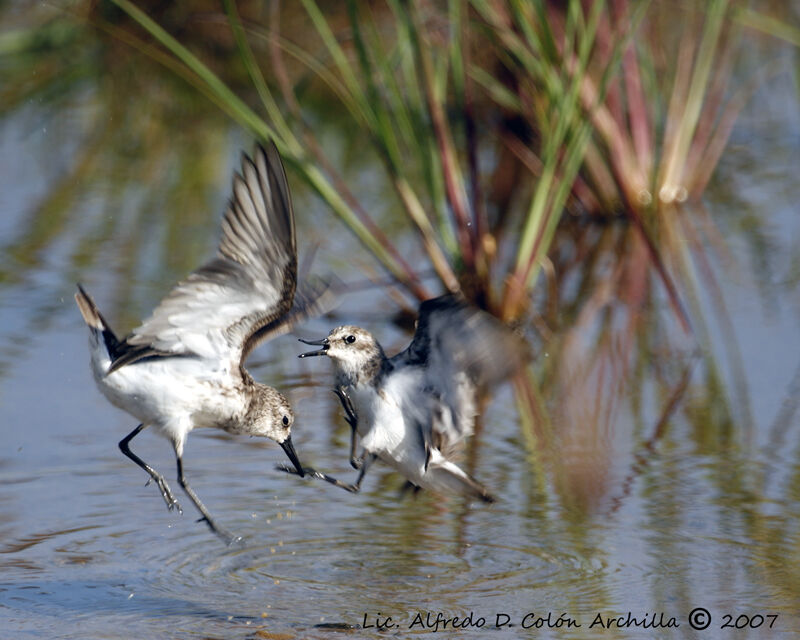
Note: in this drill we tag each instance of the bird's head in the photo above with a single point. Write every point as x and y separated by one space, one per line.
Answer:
353 350
270 416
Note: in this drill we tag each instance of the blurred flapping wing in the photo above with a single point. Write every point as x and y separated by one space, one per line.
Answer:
463 351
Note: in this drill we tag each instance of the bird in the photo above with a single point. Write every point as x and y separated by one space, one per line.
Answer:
183 367
414 410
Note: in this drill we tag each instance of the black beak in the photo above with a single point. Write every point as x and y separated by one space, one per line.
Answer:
287 446
324 343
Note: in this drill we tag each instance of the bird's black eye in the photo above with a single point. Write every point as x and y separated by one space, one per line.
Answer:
285 421
350 339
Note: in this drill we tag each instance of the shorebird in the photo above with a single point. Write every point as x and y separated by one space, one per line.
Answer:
183 368
414 410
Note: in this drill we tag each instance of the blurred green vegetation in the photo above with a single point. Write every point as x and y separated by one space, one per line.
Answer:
487 120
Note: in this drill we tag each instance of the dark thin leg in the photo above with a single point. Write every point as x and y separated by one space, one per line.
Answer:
352 488
226 537
347 405
352 420
367 460
355 461
166 493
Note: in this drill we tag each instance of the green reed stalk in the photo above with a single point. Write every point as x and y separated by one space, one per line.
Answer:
287 146
676 154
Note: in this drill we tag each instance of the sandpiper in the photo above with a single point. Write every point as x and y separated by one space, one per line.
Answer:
414 410
183 368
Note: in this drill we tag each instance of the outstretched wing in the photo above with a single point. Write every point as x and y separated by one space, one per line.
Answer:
224 306
462 350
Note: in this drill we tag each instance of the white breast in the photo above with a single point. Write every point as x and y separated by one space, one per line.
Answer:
387 421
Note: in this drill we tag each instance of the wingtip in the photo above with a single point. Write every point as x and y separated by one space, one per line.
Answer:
268 151
259 220
266 154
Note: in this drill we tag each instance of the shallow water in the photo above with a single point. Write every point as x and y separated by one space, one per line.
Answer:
590 520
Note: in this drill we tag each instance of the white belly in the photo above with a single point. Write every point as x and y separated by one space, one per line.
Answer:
175 395
387 423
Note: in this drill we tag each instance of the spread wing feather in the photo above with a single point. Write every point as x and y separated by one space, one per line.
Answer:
250 284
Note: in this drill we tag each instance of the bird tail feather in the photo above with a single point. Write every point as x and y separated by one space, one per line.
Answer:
448 477
92 316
